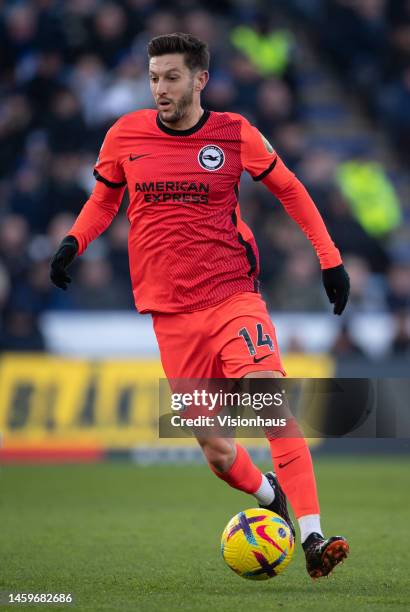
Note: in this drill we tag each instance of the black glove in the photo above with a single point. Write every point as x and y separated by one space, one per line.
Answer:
62 259
337 285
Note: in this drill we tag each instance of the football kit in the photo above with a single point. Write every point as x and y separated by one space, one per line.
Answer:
189 249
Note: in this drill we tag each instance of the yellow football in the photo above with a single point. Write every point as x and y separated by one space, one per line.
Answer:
257 544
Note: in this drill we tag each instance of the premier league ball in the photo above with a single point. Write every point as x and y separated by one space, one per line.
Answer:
257 544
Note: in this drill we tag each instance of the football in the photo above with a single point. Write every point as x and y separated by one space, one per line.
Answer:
257 544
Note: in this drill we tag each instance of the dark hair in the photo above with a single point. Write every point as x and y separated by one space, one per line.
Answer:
195 51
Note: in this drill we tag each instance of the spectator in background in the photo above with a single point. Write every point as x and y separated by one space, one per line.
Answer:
367 290
14 238
97 288
65 124
290 142
401 336
33 293
344 346
398 56
350 236
363 24
247 81
111 35
317 170
20 331
88 81
304 293
220 93
20 39
64 192
27 198
4 287
58 228
128 90
157 22
398 298
398 290
43 85
275 105
394 104
16 121
117 245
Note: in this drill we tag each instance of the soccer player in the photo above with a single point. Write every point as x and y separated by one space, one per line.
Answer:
194 262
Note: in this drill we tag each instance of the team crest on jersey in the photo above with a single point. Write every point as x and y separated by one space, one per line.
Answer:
211 157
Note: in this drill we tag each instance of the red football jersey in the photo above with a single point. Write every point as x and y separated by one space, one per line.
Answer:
188 246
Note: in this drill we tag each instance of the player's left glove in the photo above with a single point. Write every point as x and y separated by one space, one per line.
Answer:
337 285
64 256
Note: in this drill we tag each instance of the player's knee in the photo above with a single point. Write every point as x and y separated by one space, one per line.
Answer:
219 453
220 460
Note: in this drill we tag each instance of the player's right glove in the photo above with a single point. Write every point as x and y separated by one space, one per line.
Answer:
337 285
64 256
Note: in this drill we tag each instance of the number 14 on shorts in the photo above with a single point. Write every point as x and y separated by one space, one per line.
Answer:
262 339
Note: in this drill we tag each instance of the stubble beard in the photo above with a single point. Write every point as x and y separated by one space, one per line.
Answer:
180 107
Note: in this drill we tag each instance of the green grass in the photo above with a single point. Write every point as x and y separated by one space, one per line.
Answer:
122 537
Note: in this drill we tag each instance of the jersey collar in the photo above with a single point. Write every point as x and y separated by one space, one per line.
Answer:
204 118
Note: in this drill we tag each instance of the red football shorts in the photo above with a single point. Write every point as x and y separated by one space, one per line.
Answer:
228 340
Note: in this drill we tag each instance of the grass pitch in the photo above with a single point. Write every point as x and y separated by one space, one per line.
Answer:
123 537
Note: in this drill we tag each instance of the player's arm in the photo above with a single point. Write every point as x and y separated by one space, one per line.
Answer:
96 214
263 163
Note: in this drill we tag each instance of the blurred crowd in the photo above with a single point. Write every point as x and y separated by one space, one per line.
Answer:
369 43
69 69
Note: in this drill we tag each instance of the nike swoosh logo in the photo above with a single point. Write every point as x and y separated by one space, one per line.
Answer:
134 157
282 465
257 360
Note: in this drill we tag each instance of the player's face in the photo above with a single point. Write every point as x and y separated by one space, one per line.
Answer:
173 86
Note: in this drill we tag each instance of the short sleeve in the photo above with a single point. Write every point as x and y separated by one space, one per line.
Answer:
257 154
108 169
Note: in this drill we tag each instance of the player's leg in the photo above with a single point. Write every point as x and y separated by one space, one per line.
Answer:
252 352
296 479
231 462
230 335
279 501
248 349
293 466
183 340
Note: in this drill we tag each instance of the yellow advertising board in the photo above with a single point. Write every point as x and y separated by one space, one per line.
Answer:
56 402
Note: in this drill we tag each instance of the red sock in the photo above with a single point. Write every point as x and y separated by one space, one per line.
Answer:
293 466
243 473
